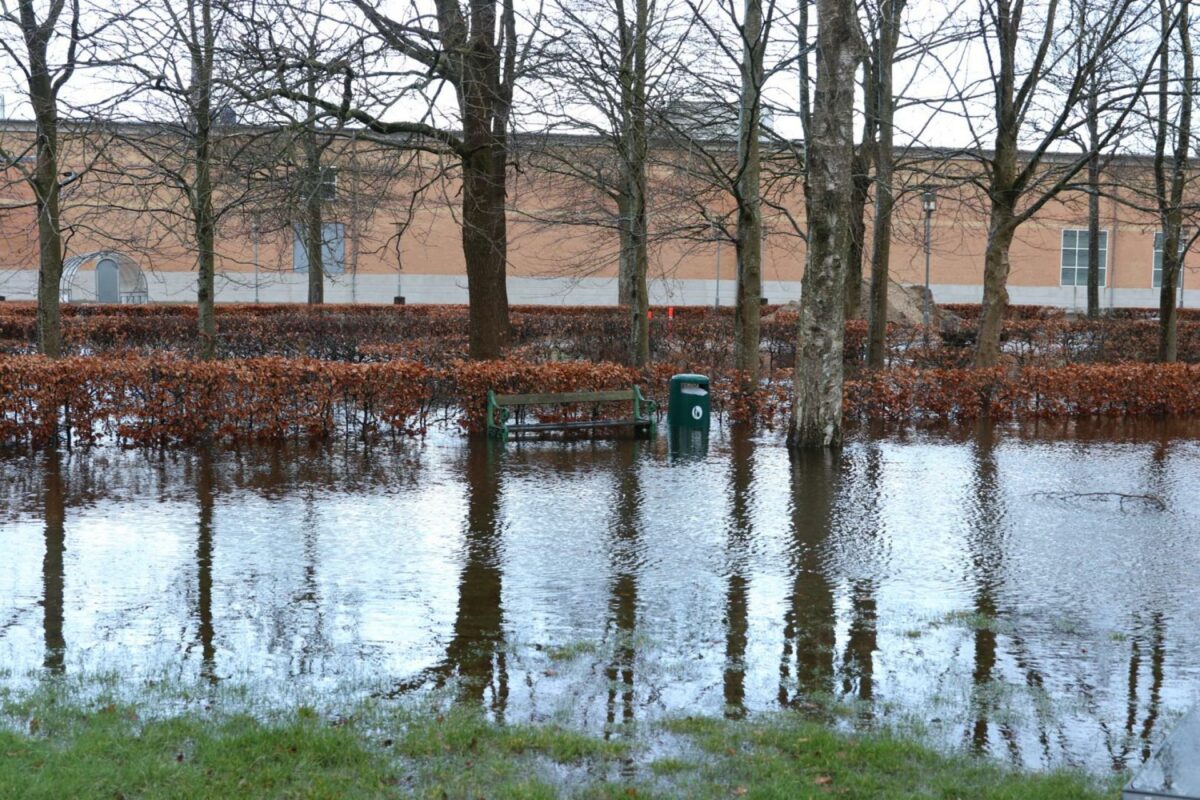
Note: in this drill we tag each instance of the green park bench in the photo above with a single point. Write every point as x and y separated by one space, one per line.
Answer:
500 422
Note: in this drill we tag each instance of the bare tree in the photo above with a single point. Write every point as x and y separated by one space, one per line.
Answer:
1170 169
474 50
1019 183
180 162
58 28
744 59
817 405
612 62
880 114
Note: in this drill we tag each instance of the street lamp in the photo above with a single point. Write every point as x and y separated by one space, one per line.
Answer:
929 203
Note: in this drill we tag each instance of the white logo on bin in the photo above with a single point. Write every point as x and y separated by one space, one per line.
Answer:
697 412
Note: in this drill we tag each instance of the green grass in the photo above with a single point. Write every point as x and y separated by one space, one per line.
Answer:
55 745
785 756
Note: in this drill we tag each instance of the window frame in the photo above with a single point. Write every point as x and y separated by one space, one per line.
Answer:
1076 268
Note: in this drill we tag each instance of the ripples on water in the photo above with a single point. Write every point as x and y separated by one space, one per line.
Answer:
1026 592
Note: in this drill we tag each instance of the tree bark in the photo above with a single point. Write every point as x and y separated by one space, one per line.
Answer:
860 195
43 96
1169 179
202 46
889 31
817 407
313 213
1003 194
748 304
50 244
485 98
635 263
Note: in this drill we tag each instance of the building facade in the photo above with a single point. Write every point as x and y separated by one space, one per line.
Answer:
128 243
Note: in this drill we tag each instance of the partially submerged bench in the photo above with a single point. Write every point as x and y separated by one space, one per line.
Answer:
500 421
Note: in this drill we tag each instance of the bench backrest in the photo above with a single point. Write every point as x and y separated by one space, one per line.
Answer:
552 399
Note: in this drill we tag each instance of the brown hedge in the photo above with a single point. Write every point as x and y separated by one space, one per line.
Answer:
166 401
696 337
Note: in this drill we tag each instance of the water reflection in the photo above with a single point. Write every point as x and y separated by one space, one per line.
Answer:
806 667
205 480
624 548
618 583
476 653
52 563
739 537
985 549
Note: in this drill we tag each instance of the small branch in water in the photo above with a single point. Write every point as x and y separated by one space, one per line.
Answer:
1146 501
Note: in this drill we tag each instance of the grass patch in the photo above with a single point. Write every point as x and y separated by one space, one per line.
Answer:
55 745
571 651
785 756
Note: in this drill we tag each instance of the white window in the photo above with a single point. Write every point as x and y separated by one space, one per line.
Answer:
1075 257
333 253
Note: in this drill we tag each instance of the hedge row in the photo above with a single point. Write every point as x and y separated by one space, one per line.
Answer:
163 401
436 336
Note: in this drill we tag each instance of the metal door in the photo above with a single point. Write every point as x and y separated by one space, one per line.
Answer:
108 281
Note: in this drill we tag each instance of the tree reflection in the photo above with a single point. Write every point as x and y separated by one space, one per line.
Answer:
623 598
476 650
985 552
809 619
858 660
52 563
740 531
205 490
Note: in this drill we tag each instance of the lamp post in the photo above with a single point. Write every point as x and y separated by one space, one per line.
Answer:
929 203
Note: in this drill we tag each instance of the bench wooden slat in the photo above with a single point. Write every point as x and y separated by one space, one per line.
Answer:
578 424
550 399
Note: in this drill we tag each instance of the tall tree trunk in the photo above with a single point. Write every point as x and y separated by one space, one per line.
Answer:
484 102
45 182
817 406
748 304
860 194
1169 183
635 262
1093 179
204 217
313 228
485 237
881 249
1001 229
50 243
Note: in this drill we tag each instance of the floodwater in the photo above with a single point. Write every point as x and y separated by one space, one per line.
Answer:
1028 592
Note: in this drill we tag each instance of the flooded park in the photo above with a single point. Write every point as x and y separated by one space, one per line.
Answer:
1021 591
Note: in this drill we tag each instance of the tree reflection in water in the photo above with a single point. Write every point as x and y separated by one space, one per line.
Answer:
205 490
624 549
55 537
476 653
739 535
809 615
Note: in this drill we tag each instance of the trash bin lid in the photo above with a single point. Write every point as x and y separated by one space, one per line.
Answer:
689 377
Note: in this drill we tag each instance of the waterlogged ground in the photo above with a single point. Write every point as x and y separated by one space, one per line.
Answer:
1027 593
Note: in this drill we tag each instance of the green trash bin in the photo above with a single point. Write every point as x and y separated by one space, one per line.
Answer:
690 403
